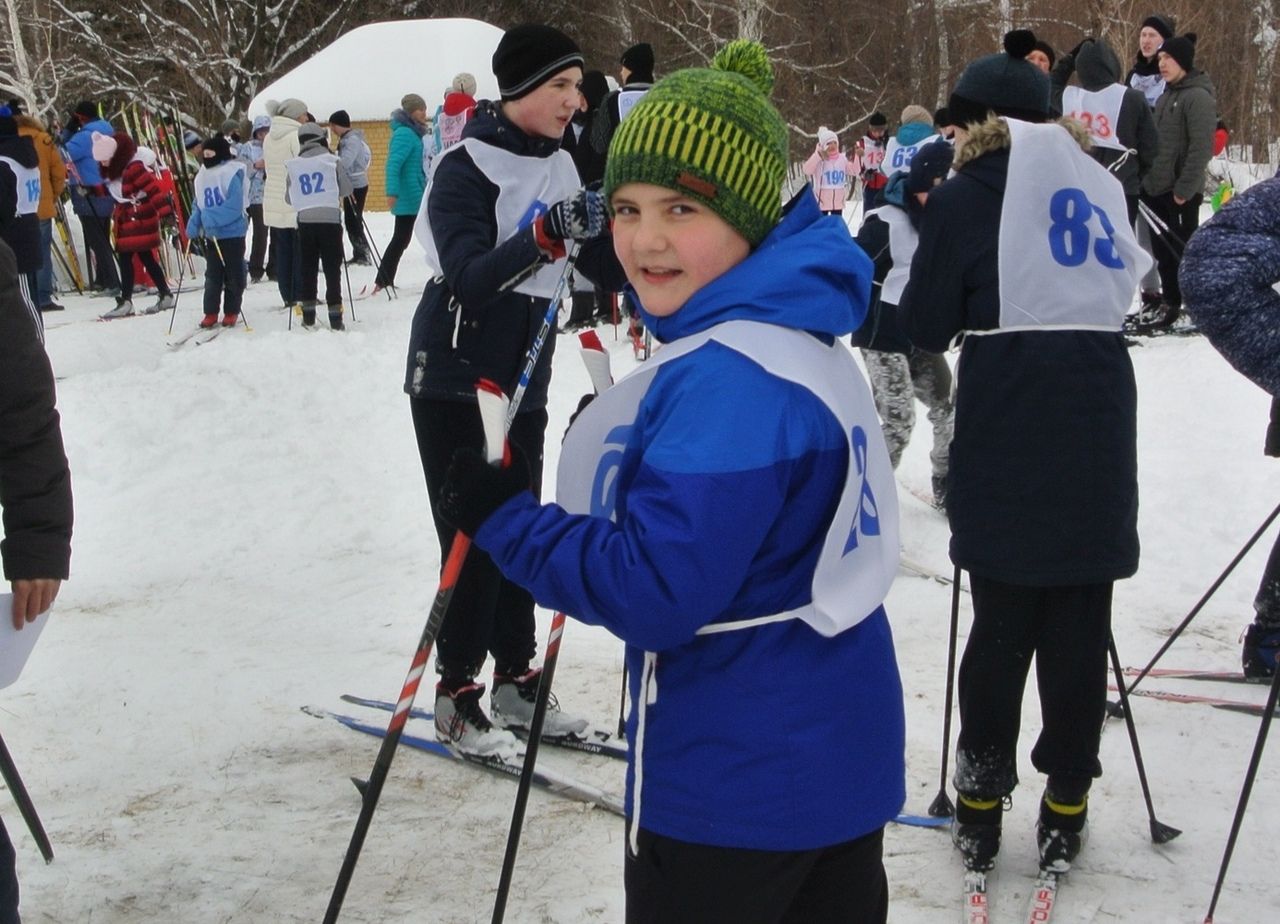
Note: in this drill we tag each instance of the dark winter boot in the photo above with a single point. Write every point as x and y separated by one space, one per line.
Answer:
309 314
335 317
1061 829
1261 648
976 831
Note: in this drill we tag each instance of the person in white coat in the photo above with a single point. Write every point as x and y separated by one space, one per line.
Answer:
279 147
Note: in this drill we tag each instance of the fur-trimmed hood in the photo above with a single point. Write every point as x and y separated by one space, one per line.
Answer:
993 135
126 148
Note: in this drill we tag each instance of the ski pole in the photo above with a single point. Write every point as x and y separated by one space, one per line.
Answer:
1161 228
597 360
1160 833
1195 610
1245 792
942 806
9 771
174 313
439 607
346 270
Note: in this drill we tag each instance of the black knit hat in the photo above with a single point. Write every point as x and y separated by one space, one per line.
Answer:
216 150
595 87
639 60
340 118
529 55
1004 83
86 111
1161 23
1042 45
1182 49
877 119
930 166
8 124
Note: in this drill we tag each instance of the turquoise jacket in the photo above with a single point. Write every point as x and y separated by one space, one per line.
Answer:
405 177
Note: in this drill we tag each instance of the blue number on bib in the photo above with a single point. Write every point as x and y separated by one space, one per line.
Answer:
902 156
317 182
1070 210
212 197
33 190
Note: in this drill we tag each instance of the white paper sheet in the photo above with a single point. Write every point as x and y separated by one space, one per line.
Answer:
15 646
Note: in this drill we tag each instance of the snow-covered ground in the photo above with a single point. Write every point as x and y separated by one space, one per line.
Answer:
252 536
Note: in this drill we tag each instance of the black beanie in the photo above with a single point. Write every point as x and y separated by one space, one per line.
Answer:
1005 83
1042 45
595 87
1162 24
217 150
877 119
8 124
639 60
1182 49
86 111
529 55
340 118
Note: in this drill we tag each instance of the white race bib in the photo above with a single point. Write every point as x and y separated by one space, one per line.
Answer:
627 100
1099 110
212 184
28 186
1068 258
898 156
313 182
527 187
903 239
859 557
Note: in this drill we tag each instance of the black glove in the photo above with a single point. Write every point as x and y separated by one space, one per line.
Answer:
581 217
582 406
473 489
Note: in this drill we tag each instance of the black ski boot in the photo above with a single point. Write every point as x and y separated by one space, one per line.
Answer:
1061 830
976 831
1260 651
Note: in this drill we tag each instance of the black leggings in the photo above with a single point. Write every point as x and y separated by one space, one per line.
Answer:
400 239
148 260
488 613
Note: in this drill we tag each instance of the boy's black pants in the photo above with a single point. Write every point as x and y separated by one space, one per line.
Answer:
1066 630
673 882
488 613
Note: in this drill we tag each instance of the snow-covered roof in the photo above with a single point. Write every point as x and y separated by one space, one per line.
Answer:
368 69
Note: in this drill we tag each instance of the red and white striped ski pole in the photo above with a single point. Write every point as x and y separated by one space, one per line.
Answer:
597 362
495 446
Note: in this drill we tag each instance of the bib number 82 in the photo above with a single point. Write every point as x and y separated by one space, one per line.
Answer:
1069 234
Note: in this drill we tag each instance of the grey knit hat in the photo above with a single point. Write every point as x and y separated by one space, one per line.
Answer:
1004 83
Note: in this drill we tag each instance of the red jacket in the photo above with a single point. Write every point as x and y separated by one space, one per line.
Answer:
140 200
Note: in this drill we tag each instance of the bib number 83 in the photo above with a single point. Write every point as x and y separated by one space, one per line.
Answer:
1069 234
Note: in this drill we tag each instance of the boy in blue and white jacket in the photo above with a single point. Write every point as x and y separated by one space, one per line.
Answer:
728 510
218 213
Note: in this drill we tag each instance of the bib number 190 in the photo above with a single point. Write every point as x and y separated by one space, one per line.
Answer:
1069 234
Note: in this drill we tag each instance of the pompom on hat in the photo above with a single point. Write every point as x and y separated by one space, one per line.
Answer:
710 133
1005 83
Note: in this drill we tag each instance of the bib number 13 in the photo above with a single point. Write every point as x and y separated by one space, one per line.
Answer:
1070 239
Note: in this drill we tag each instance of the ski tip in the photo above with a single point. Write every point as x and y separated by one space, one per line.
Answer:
590 340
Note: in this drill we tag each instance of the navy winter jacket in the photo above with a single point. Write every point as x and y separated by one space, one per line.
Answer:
1042 489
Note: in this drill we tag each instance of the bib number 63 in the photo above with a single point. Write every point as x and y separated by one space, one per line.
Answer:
1070 239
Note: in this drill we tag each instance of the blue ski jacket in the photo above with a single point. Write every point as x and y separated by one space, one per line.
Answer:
770 737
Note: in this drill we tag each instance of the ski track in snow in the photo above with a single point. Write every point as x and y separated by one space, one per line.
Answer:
252 535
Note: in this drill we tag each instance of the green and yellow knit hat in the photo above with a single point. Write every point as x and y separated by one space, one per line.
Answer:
711 134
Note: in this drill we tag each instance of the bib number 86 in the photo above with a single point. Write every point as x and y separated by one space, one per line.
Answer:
1069 234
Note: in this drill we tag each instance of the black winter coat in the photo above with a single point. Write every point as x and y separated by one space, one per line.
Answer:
470 323
21 233
1042 489
35 482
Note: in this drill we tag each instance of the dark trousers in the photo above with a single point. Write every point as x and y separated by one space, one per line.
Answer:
321 245
284 244
258 250
353 214
673 882
400 239
8 880
488 613
1182 221
1066 629
1267 603
149 262
97 242
871 198
224 273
